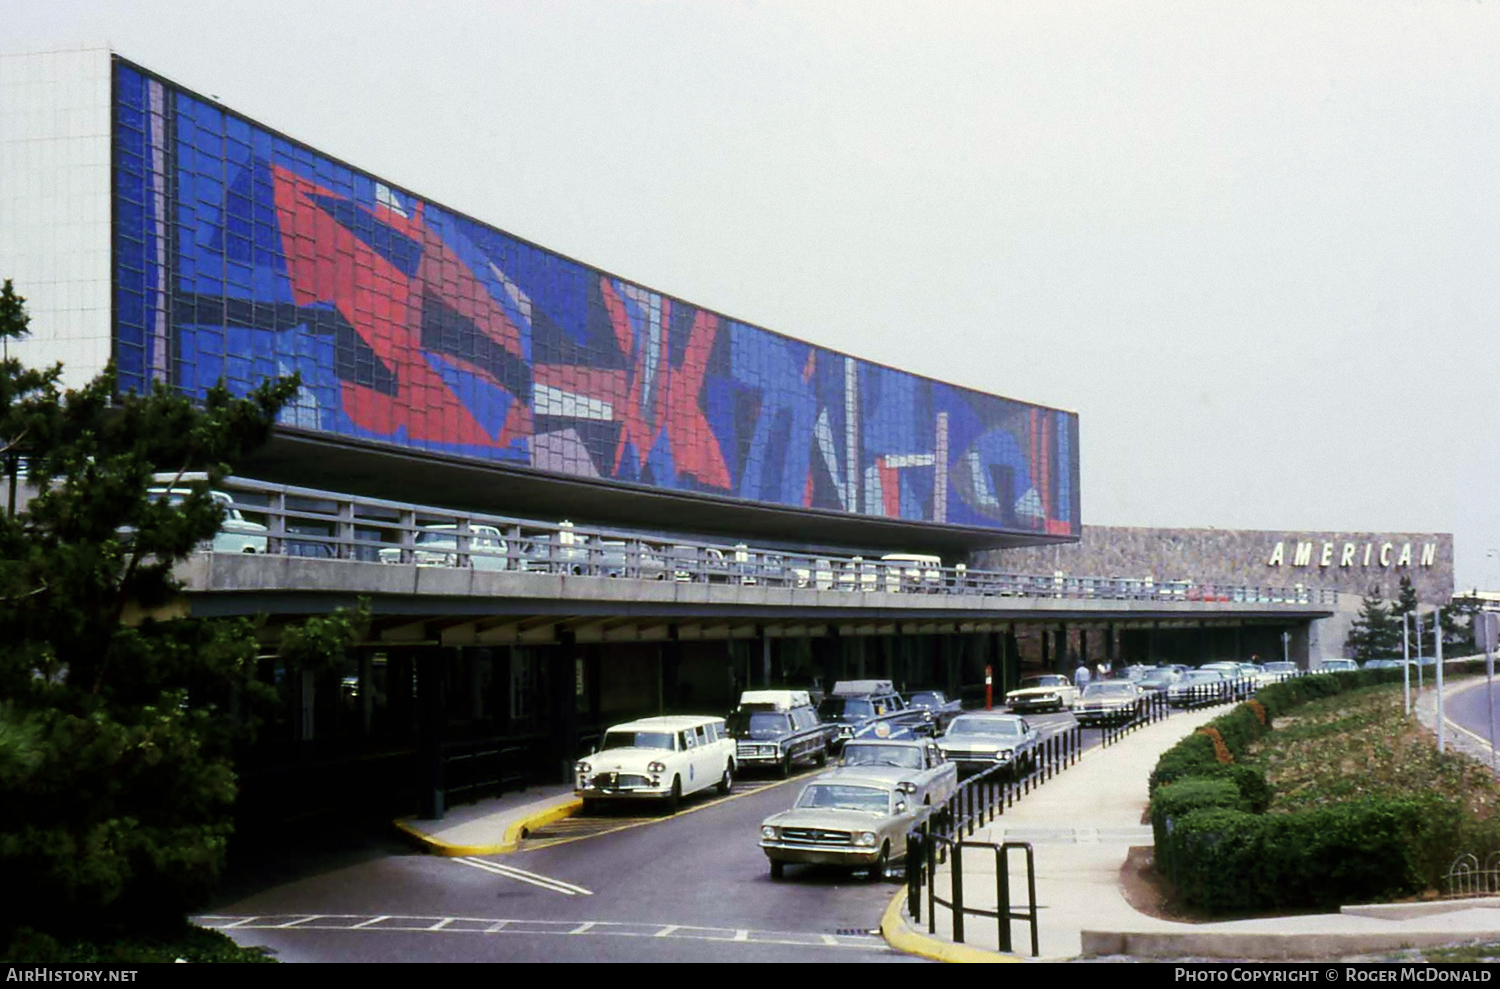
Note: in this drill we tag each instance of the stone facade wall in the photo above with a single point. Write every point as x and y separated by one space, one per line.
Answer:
1350 562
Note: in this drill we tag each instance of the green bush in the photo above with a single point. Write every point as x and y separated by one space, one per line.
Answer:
1223 853
1174 801
1250 780
185 943
1227 860
1193 756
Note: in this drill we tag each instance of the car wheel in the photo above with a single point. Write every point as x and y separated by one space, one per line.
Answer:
822 757
675 800
727 783
778 869
785 768
877 871
590 806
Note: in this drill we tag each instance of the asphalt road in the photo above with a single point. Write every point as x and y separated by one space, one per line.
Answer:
1470 710
692 887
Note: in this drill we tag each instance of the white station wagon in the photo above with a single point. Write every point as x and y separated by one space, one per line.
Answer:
663 759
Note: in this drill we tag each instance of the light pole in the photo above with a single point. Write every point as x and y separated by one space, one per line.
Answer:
1406 660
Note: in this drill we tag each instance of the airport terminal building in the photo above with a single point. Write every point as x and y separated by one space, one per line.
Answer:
449 365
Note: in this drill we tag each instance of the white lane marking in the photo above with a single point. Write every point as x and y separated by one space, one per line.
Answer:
511 872
397 924
299 920
495 870
582 928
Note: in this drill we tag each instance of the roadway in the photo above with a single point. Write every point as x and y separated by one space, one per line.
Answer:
1469 710
691 887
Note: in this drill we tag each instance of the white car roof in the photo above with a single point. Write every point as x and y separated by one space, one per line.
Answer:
847 687
672 722
782 700
852 776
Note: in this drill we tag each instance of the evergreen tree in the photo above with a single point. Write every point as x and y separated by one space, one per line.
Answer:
116 783
1374 634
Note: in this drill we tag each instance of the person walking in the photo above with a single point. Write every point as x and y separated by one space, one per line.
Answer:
1081 675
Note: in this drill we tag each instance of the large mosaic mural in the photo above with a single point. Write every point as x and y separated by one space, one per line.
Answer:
241 254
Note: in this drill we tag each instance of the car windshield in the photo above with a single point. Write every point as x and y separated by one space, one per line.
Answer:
900 756
1107 690
637 740
927 698
1200 676
984 726
1281 667
759 724
845 709
438 538
1155 679
1047 681
841 796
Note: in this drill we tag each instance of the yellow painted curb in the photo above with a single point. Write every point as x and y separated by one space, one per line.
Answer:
509 841
901 936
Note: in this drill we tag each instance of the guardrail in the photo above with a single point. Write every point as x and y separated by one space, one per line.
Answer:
306 522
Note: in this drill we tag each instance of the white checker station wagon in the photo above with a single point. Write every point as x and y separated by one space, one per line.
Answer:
663 759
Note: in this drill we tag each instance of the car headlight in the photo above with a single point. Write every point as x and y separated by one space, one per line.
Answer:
1003 753
865 839
768 833
583 768
657 767
846 731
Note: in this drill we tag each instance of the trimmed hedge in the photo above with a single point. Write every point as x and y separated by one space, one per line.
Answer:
1225 854
1226 860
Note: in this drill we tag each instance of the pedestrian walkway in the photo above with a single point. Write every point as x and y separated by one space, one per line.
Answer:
494 826
1082 825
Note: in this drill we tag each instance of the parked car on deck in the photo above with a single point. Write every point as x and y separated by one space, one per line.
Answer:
437 546
236 535
1338 666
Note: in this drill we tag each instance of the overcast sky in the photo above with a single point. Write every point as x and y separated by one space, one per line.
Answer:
1254 246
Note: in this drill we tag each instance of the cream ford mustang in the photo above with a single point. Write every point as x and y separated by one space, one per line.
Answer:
849 818
661 759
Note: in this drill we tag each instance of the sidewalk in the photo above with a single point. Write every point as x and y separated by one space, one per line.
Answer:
494 826
1082 825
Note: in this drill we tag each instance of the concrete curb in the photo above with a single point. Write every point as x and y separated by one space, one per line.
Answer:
509 841
903 937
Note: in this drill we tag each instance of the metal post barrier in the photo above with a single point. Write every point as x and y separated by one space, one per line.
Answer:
915 858
958 891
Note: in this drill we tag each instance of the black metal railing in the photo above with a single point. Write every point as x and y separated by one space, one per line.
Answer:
495 765
929 849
